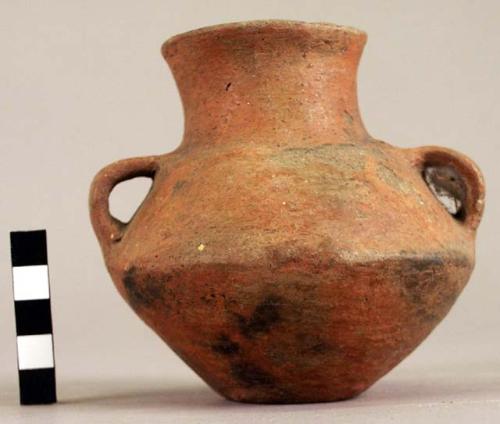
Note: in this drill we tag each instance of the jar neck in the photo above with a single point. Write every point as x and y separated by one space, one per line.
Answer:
239 82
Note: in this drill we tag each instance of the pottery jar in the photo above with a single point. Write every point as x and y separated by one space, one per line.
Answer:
282 252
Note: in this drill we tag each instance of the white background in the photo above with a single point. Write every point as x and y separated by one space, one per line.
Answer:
82 84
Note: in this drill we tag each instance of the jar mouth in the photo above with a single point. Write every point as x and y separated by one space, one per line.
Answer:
263 25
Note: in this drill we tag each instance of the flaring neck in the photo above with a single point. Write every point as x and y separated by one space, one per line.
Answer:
242 79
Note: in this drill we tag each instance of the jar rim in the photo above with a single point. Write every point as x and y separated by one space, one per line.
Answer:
273 24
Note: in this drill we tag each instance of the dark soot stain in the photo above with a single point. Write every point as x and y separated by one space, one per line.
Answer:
250 375
225 346
264 316
142 293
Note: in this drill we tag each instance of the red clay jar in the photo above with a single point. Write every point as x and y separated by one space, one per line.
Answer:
283 253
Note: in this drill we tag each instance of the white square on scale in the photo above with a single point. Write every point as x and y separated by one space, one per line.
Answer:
35 352
31 282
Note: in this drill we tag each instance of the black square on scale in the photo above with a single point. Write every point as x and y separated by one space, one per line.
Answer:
28 248
37 386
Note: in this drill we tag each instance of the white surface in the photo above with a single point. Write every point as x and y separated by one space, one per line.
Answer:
35 352
31 282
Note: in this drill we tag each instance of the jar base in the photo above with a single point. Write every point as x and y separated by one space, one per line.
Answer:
253 396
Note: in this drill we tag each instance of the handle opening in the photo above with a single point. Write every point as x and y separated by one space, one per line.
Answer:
448 187
126 198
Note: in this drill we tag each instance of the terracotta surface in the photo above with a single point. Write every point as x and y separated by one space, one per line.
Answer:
282 252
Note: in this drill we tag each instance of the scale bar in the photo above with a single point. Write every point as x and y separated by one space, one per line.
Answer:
35 345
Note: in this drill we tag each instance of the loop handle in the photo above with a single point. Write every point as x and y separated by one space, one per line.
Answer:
429 156
110 230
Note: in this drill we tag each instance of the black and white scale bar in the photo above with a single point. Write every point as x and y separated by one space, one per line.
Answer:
35 346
